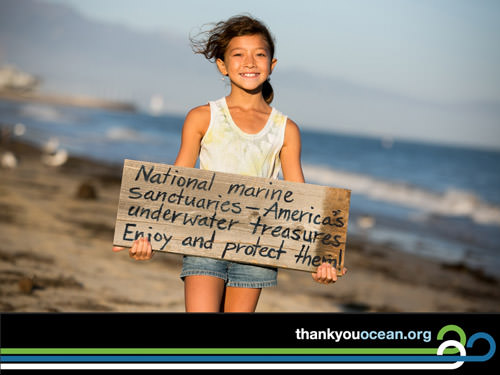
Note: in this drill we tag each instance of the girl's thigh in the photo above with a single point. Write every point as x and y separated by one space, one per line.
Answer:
241 299
203 293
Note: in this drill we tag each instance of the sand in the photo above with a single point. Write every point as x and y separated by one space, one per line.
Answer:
56 230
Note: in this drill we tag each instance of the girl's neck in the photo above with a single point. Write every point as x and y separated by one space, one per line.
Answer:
246 100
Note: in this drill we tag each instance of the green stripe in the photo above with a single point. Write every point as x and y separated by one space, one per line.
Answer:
208 351
255 351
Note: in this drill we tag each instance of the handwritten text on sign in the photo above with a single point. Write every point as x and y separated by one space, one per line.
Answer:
234 217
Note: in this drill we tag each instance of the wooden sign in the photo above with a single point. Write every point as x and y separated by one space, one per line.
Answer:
229 216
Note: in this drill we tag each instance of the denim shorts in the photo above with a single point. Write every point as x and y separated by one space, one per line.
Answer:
234 274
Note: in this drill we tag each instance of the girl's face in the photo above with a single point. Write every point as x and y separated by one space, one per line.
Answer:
247 62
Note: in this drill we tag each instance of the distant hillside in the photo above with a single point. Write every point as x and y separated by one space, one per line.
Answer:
77 55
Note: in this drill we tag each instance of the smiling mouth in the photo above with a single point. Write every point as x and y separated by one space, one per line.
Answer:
249 75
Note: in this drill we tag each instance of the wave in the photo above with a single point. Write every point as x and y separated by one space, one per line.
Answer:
122 133
453 202
44 113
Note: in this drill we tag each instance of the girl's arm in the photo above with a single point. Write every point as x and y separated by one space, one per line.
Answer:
292 171
193 130
290 154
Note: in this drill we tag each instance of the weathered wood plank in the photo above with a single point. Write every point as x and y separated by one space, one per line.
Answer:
228 216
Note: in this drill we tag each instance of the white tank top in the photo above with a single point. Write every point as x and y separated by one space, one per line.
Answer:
227 148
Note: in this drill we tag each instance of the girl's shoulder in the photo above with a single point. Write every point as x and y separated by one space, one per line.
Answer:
292 124
292 130
198 119
200 114
200 111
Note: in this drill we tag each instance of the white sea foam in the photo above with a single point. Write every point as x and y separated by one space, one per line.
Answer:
122 133
450 203
44 113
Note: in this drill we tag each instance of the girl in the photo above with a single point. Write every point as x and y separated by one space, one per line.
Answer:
240 133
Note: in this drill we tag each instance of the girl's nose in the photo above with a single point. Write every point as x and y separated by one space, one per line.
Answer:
249 61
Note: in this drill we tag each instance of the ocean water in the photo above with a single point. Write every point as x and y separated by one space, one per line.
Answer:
433 200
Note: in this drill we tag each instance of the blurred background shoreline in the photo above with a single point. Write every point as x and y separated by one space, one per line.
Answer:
436 201
54 99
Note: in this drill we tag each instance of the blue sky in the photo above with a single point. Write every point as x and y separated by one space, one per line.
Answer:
439 51
434 49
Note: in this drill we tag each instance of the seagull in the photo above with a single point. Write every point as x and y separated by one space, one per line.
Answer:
56 158
366 222
8 160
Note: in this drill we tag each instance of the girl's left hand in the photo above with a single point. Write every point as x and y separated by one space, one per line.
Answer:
326 274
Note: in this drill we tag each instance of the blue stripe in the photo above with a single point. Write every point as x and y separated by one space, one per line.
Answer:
236 358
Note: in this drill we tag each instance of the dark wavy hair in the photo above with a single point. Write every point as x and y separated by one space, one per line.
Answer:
213 43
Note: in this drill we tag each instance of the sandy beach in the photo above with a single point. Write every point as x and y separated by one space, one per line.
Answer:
56 230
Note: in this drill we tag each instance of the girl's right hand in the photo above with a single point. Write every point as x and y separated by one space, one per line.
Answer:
140 250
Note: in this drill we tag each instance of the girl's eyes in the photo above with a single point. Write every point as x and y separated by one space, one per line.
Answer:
259 54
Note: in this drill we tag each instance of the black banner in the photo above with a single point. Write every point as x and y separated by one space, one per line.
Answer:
318 340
